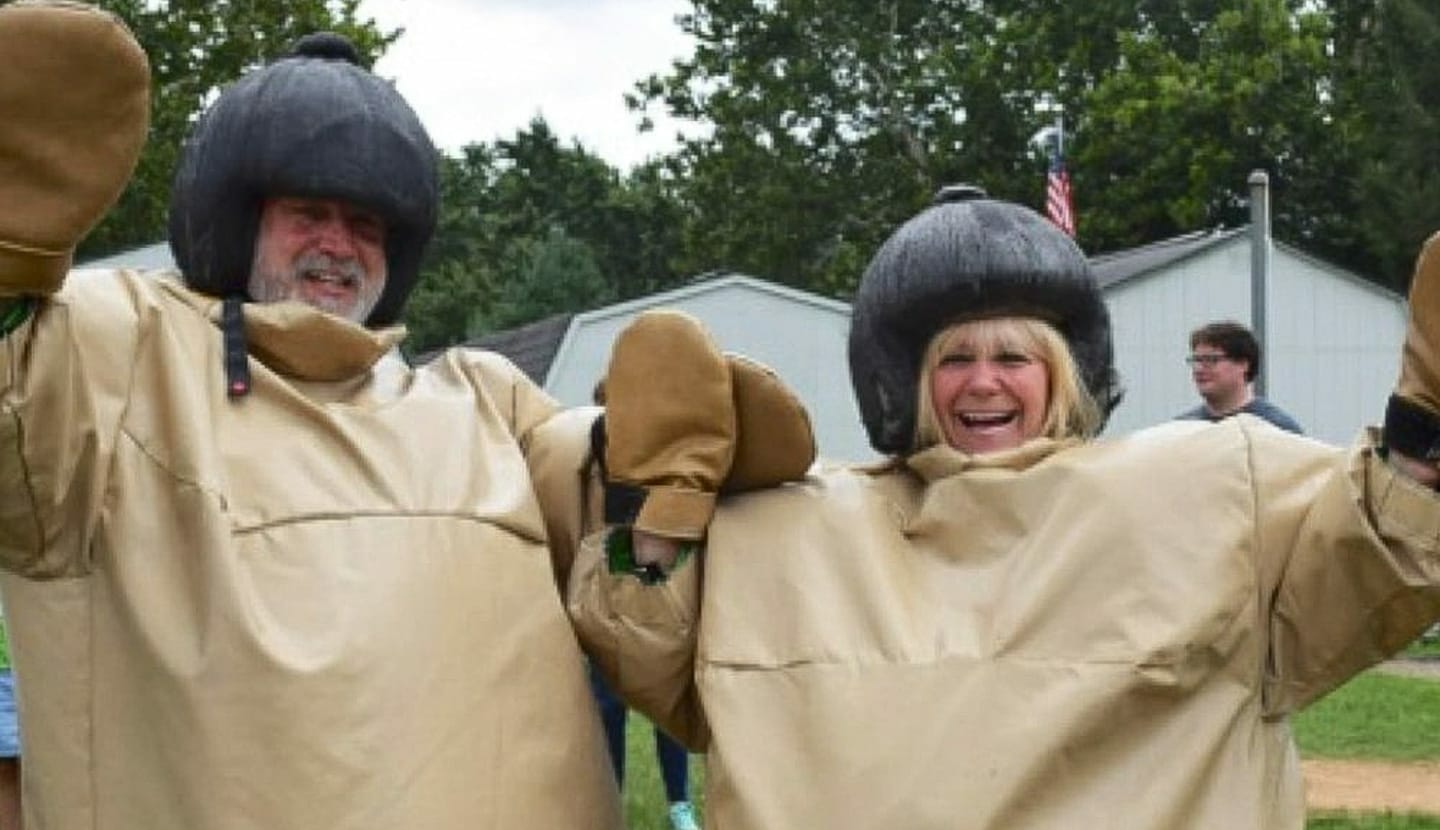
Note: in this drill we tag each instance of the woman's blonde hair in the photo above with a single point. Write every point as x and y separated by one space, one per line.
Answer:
1070 412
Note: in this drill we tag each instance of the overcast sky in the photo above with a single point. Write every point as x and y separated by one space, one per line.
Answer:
476 70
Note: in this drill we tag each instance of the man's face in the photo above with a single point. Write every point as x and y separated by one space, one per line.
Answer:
323 252
1217 377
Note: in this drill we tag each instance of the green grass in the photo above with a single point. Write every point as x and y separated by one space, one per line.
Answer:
644 792
1372 821
1374 716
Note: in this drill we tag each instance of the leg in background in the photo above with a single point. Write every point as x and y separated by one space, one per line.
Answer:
9 794
675 770
612 717
674 767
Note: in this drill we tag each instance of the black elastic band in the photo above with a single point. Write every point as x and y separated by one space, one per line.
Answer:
622 501
237 356
1411 429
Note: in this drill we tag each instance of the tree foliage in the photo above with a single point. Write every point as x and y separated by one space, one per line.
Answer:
835 120
529 227
552 274
831 121
1167 139
195 47
1393 110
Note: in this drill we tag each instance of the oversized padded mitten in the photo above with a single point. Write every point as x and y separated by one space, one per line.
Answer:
74 111
774 443
1412 419
673 436
669 422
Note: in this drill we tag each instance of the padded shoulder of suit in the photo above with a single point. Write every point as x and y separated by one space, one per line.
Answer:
104 305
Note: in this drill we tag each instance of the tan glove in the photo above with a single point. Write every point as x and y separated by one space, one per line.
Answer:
774 443
768 429
74 111
1412 419
669 425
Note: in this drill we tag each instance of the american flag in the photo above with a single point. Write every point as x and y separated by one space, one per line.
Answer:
1057 195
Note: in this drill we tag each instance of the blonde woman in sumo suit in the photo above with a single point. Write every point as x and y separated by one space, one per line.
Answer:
1010 624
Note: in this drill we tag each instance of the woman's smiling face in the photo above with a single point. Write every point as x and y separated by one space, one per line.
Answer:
988 395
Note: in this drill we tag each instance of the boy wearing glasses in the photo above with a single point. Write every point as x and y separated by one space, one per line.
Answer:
1224 359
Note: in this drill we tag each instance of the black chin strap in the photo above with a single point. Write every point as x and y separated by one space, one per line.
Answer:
237 356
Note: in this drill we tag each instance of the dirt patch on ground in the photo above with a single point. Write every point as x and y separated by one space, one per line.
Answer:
1427 668
1376 786
1372 786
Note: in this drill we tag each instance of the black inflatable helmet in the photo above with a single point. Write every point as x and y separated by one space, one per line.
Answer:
968 257
311 124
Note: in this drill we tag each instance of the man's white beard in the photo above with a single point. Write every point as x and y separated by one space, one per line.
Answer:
273 284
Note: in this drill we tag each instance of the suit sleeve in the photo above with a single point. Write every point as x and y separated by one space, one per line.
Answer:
642 638
567 483
1350 564
64 382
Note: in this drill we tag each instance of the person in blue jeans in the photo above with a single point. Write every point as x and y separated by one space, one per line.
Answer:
674 761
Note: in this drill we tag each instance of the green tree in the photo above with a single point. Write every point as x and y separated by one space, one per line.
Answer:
836 120
1165 142
458 274
825 124
550 275
828 121
627 222
1393 107
195 47
530 227
446 305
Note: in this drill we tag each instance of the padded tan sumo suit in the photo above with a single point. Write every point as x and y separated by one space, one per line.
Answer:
1069 634
326 604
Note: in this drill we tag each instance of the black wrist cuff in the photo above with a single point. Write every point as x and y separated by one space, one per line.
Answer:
622 501
1411 429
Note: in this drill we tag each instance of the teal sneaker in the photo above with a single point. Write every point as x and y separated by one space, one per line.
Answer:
682 816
